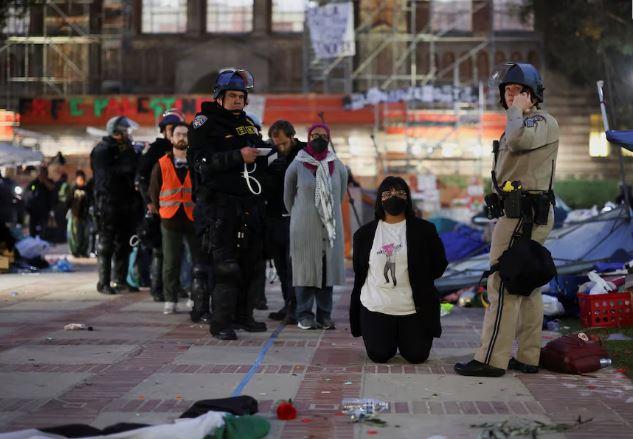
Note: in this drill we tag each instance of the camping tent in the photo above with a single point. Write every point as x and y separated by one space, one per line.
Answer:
13 155
575 248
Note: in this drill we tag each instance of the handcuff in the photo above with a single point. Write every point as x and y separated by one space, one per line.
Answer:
246 174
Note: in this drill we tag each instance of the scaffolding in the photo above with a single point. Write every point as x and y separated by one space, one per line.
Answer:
60 48
398 45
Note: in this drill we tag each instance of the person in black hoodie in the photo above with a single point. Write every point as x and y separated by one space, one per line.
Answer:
229 208
394 304
282 135
156 150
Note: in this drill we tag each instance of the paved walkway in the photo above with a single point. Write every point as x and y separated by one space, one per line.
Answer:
141 366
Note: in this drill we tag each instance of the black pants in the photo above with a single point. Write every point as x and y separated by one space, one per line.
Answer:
114 247
278 231
237 255
385 334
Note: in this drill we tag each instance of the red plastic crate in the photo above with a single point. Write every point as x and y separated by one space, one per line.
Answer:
606 310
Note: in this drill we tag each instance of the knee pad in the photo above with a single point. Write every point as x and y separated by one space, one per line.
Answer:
200 271
227 269
105 247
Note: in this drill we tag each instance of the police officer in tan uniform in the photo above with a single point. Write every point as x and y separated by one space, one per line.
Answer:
527 154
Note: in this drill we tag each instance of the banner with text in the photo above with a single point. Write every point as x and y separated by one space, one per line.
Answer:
332 30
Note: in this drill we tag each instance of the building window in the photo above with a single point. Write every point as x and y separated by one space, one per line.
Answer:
507 16
229 16
288 15
452 15
16 22
164 16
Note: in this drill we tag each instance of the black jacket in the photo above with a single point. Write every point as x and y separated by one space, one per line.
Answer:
215 140
114 170
274 179
427 262
156 150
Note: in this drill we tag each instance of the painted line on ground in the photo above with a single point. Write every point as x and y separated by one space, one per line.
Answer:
260 357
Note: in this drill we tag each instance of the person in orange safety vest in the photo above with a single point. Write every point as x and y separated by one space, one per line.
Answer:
170 190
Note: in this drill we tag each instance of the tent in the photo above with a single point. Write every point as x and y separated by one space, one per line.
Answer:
13 155
575 248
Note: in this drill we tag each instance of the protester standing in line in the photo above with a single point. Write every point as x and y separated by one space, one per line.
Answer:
314 189
282 134
171 191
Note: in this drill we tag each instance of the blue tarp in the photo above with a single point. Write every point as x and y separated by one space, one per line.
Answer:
443 224
622 138
575 248
463 242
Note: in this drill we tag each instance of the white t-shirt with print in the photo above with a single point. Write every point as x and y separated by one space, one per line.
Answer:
387 289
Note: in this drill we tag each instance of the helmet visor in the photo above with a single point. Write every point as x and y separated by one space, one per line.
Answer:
126 126
174 112
498 73
235 77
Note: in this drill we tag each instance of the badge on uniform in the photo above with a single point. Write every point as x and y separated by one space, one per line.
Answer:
533 121
198 121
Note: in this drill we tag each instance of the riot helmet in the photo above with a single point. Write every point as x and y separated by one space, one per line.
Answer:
233 79
517 73
121 125
170 117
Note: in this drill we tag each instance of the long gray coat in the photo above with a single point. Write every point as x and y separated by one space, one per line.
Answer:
308 237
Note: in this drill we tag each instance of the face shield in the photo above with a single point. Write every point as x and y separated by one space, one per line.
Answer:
498 74
121 125
238 77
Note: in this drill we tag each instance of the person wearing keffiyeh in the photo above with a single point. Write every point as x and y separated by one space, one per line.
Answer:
314 189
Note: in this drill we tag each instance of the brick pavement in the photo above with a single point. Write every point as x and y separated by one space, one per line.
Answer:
140 366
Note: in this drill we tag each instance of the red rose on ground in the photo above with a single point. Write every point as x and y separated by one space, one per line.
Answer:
286 411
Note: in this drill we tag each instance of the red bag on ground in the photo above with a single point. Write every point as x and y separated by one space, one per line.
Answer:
573 353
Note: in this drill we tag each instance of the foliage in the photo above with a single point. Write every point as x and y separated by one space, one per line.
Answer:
583 194
588 40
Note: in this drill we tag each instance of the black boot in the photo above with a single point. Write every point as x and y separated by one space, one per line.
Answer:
250 325
278 315
226 333
200 296
105 289
475 368
105 268
521 367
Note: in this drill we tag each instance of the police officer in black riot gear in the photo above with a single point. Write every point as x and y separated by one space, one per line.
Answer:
229 207
114 163
151 225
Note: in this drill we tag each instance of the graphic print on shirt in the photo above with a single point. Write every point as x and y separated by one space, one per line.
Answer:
390 251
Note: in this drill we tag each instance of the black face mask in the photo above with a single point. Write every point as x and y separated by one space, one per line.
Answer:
319 144
394 205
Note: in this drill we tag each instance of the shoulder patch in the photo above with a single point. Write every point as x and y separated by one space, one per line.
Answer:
198 121
533 121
